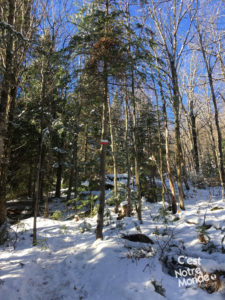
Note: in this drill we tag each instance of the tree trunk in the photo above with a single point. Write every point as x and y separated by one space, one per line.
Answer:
136 161
40 159
73 171
127 155
184 173
58 178
30 181
219 136
192 131
7 82
37 191
46 211
160 168
194 137
47 186
176 105
3 211
170 177
7 154
100 218
85 150
113 147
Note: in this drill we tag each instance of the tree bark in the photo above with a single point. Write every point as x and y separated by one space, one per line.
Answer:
30 180
73 171
99 228
40 158
85 150
127 155
170 177
113 147
8 81
58 178
219 136
176 105
136 161
211 134
160 168
194 137
100 218
216 117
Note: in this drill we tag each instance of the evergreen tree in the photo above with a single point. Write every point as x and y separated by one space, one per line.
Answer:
16 28
100 40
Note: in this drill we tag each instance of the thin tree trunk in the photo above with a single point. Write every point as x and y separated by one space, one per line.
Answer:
191 125
194 137
42 174
170 177
127 155
99 229
73 171
40 160
7 82
48 177
3 211
136 161
176 105
58 177
46 211
7 154
192 134
134 133
46 188
219 137
113 147
184 173
216 117
46 195
30 180
85 150
37 191
160 169
100 218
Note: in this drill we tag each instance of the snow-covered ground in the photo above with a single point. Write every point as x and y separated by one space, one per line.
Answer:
68 264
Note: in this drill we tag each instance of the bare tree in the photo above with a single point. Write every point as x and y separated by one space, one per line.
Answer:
189 85
209 64
168 19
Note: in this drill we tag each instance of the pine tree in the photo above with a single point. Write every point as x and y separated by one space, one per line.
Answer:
100 40
16 30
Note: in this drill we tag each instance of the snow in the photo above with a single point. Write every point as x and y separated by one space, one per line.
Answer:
85 183
67 264
57 149
123 203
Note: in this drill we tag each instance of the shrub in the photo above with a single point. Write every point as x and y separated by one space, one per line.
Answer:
57 215
3 234
159 288
94 211
43 243
85 226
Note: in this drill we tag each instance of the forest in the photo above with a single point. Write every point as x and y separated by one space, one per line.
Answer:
112 149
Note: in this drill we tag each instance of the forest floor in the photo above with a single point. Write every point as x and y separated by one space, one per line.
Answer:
68 263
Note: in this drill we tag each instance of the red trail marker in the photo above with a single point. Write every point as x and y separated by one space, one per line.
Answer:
104 142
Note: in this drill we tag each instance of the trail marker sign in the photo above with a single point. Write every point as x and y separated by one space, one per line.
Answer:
104 142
